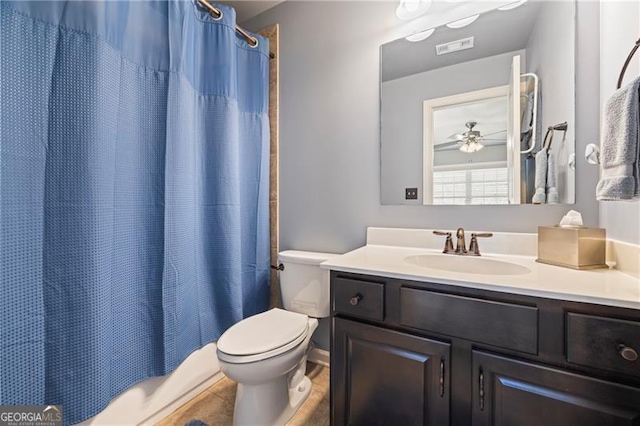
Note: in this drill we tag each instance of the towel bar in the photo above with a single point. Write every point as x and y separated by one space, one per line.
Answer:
560 126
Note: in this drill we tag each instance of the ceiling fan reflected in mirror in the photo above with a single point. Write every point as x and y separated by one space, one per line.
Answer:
469 141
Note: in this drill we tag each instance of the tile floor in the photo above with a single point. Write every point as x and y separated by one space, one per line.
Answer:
214 406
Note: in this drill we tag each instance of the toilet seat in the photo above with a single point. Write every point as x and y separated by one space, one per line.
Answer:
263 336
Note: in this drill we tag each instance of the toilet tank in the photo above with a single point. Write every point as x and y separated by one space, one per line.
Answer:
304 286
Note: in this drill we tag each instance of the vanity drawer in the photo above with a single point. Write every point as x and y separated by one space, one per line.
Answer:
363 299
500 324
601 342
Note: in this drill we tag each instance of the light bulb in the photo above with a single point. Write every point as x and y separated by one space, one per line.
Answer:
513 5
411 9
463 22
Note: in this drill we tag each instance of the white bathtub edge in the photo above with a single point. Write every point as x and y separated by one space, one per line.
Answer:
151 400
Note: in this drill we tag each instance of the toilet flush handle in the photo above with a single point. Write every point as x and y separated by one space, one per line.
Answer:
355 299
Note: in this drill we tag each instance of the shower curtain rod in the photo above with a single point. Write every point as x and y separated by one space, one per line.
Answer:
217 14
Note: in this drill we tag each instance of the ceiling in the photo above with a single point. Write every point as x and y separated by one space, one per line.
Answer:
246 10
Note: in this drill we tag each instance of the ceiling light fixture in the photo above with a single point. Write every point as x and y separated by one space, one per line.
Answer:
511 6
463 22
421 35
411 9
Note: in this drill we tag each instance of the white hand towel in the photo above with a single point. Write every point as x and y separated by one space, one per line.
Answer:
620 145
540 197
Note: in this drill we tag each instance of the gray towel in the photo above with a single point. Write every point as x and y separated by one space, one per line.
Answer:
551 170
526 121
526 103
527 129
540 197
551 187
620 145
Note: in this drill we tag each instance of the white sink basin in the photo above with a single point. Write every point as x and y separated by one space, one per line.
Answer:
467 264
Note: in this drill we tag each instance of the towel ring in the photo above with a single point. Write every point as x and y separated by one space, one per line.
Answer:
626 63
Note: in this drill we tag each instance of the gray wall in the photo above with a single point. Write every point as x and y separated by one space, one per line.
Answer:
330 129
402 121
620 27
549 55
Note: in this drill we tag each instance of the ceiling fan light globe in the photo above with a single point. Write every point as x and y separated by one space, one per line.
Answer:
466 148
471 147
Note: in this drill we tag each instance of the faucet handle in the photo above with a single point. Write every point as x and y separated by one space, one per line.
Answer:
473 245
448 244
482 235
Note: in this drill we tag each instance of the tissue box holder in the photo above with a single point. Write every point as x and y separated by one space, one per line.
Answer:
576 248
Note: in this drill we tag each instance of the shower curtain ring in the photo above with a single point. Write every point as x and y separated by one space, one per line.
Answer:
218 17
215 13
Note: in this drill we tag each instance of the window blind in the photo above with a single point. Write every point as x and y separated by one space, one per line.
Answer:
484 186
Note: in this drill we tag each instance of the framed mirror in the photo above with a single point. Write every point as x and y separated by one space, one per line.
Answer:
482 113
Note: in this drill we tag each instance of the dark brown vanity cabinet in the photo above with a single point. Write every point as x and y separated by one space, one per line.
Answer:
512 392
414 353
389 378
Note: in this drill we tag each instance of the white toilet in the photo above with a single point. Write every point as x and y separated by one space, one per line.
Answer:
267 353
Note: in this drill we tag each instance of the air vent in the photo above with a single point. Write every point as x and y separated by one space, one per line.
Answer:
454 46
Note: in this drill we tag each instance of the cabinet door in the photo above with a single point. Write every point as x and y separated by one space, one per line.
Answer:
383 377
511 392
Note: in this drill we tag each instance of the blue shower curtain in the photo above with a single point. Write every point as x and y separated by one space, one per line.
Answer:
134 148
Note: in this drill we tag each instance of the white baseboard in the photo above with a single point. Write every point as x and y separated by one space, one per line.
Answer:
319 356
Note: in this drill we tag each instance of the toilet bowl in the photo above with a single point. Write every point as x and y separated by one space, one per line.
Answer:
266 354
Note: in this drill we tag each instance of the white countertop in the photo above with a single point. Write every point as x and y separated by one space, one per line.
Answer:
599 286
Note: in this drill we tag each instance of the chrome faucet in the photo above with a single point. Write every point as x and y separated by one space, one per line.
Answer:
474 249
460 245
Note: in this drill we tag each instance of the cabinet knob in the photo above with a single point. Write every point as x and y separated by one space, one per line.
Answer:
627 353
355 299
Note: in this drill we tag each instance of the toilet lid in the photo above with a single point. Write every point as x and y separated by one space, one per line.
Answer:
263 332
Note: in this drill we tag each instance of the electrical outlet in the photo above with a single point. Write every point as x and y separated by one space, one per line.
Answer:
411 193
